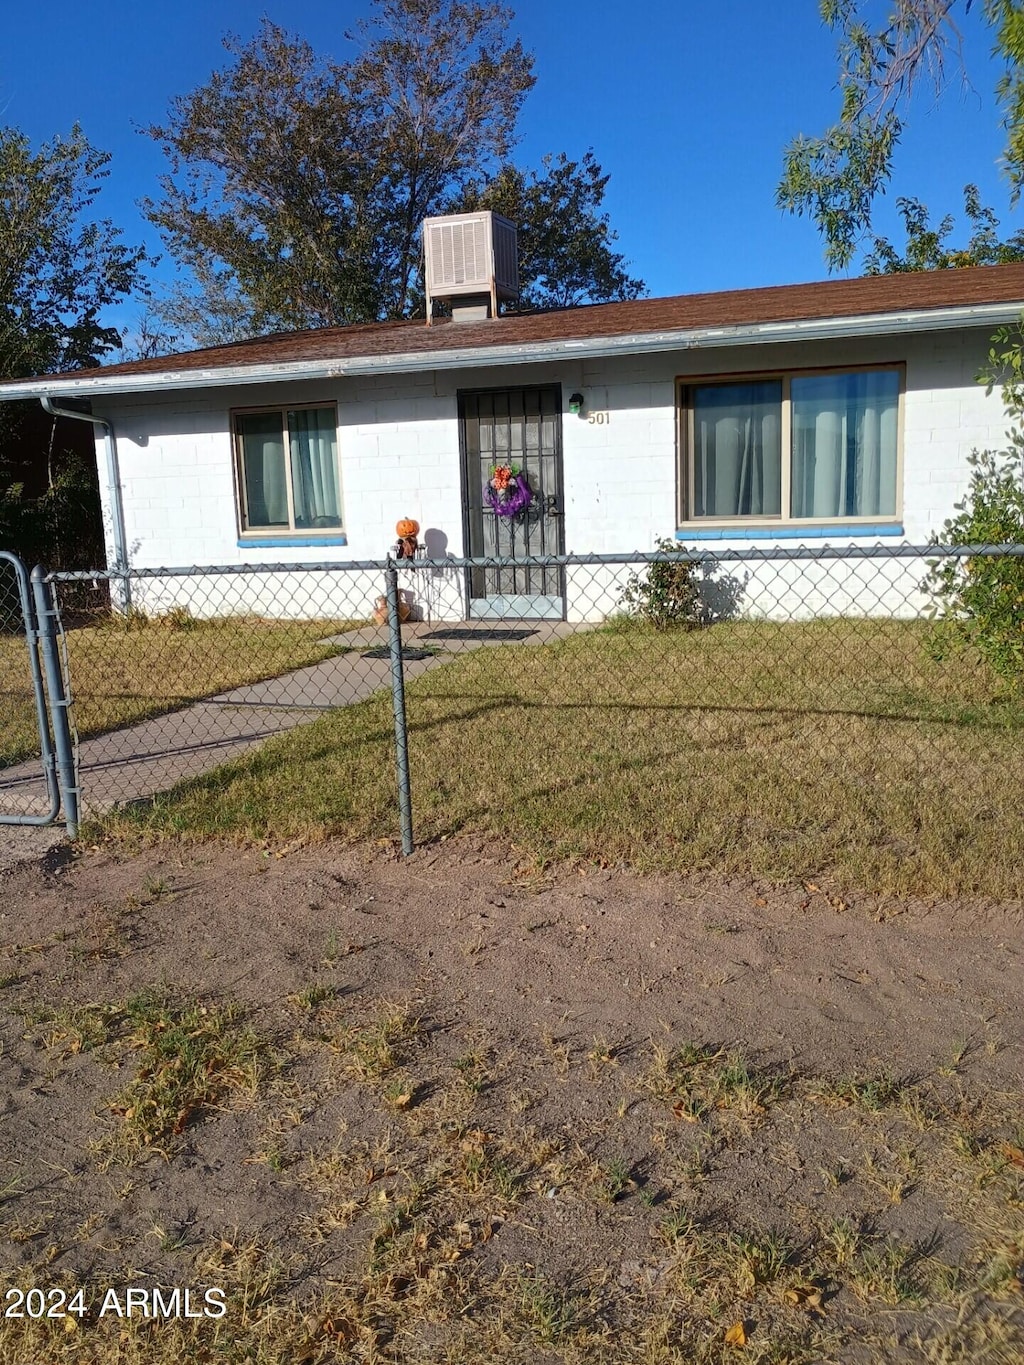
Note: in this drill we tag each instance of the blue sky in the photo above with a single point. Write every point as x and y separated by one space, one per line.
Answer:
687 104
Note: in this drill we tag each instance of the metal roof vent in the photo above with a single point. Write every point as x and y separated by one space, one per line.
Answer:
471 262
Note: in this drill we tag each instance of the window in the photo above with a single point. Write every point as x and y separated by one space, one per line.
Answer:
288 470
813 447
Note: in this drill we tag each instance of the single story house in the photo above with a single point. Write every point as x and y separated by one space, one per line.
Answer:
838 413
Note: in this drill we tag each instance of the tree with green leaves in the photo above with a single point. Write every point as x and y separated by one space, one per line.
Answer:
927 247
836 177
59 266
298 186
443 82
263 203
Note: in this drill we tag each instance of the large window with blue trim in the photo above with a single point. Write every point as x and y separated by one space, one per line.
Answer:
792 448
287 470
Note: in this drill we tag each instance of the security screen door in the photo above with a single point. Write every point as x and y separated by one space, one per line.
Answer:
514 427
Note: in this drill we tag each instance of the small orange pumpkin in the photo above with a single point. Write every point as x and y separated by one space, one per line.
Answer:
380 610
407 527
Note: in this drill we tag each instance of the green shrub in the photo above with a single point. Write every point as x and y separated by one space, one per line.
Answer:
981 598
665 594
179 618
62 527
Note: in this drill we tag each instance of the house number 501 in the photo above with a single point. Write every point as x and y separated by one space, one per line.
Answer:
599 419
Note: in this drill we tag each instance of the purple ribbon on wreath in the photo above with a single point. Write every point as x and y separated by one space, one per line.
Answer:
509 496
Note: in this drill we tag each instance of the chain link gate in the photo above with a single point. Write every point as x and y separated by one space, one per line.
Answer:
37 761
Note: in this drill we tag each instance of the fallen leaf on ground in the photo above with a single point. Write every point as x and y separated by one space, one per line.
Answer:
736 1335
341 1329
805 1296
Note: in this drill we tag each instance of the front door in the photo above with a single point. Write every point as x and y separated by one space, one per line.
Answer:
518 429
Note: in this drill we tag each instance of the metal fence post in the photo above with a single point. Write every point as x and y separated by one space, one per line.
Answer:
46 619
398 703
124 594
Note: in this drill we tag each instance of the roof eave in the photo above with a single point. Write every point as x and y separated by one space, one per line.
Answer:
475 357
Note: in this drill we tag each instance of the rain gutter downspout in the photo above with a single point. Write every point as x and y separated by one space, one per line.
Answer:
113 486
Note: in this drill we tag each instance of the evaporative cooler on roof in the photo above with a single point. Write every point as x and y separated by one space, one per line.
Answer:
471 263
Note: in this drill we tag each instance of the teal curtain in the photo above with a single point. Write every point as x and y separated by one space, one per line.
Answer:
313 451
844 444
266 489
738 449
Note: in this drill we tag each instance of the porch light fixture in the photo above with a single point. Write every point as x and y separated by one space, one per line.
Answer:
576 404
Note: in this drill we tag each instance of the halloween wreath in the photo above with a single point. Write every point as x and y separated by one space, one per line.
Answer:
507 492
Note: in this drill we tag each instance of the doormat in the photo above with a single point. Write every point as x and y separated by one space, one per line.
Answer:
382 652
484 634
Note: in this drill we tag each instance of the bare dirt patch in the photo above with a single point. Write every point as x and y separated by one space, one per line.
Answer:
466 1107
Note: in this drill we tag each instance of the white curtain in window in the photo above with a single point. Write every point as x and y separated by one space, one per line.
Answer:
266 489
738 451
313 448
844 444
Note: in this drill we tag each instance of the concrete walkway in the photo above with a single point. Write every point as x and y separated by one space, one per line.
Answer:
140 760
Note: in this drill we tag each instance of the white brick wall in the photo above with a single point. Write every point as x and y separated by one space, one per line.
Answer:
399 455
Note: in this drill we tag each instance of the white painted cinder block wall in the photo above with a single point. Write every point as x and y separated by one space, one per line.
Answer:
399 456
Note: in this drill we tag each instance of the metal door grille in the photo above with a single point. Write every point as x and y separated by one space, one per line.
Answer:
520 427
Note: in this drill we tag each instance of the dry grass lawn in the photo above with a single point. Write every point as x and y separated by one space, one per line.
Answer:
833 749
126 670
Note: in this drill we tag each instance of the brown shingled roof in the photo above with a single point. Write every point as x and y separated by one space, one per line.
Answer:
976 285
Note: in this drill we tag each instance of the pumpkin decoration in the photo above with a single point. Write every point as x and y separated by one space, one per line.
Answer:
407 530
380 610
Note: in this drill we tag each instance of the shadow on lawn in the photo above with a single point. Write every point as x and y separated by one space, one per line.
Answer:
960 717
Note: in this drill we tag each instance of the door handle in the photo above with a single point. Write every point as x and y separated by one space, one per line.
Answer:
551 508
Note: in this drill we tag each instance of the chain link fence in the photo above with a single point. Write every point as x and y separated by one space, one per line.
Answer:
784 712
776 711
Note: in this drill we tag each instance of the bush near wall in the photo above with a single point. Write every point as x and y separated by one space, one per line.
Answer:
49 492
982 599
61 529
